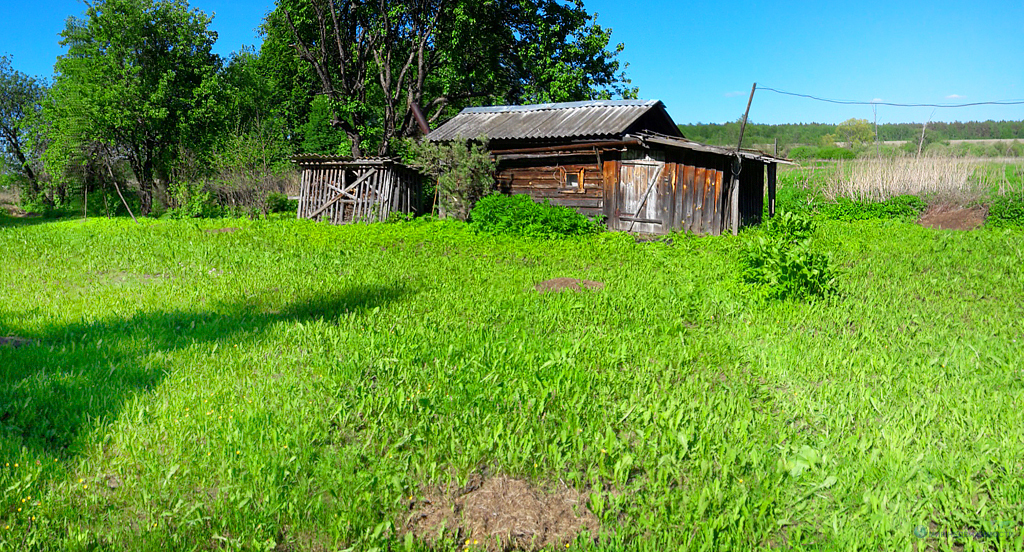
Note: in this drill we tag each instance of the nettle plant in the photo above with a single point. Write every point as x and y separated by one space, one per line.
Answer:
780 264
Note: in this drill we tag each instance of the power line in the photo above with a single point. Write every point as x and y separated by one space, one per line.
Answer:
854 102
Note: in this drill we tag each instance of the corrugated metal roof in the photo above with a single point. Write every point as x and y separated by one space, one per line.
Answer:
672 141
592 119
320 159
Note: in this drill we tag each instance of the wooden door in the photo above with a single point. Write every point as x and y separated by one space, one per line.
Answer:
638 198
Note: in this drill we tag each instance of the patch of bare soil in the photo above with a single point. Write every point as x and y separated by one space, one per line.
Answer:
231 230
558 284
15 342
500 514
953 218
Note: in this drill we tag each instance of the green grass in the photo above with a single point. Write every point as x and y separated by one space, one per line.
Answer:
291 385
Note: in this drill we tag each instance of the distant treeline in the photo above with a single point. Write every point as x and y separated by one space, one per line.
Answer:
818 133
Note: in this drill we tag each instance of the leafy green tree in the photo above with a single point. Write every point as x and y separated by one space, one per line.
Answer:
140 78
855 132
20 123
373 59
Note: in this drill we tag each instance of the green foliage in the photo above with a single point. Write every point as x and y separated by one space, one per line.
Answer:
464 172
780 264
372 60
855 132
191 200
519 215
279 203
1007 210
904 207
21 124
812 133
806 153
139 76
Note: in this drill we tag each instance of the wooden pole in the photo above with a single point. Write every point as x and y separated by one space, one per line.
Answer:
771 189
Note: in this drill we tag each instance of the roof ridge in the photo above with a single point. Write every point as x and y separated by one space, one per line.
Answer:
560 105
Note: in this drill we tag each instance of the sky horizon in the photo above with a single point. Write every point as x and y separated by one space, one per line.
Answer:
702 58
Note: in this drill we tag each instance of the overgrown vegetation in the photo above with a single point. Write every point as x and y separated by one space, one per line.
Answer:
903 207
303 386
781 262
462 170
520 215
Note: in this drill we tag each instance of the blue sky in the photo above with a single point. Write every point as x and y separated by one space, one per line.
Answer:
701 58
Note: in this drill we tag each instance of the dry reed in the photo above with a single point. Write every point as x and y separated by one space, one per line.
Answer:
937 179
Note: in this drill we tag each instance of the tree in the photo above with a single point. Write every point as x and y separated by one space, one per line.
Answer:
375 59
139 77
20 103
463 170
854 131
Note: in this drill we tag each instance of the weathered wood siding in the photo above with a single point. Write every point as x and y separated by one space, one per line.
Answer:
342 193
647 190
545 179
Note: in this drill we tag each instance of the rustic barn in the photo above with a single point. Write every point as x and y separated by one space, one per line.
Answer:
344 190
624 159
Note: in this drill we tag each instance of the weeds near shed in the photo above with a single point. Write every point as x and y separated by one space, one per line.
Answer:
780 264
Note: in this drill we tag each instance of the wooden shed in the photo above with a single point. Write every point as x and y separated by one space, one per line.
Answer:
342 190
624 159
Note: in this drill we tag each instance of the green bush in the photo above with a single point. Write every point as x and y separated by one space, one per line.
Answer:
780 263
904 207
803 152
279 203
806 153
835 152
191 200
519 215
1007 210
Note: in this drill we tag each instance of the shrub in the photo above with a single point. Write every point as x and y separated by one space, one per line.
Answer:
835 152
191 200
279 203
903 207
519 215
780 263
1007 210
463 169
803 152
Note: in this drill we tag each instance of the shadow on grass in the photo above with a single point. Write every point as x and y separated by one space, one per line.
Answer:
51 390
9 221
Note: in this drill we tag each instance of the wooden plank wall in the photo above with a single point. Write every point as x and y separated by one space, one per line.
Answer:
699 193
385 189
544 178
691 194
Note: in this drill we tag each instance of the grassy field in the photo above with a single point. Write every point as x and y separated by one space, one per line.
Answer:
295 386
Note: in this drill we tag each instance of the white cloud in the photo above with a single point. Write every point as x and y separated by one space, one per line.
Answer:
733 94
877 100
955 97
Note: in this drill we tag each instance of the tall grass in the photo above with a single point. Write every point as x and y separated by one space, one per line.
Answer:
948 180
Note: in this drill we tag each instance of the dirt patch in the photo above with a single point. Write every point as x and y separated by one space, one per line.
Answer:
231 230
558 284
15 342
953 218
502 514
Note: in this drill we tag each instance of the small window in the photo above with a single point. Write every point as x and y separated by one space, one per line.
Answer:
573 181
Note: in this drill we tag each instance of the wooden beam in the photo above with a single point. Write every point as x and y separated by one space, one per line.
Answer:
338 197
735 207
